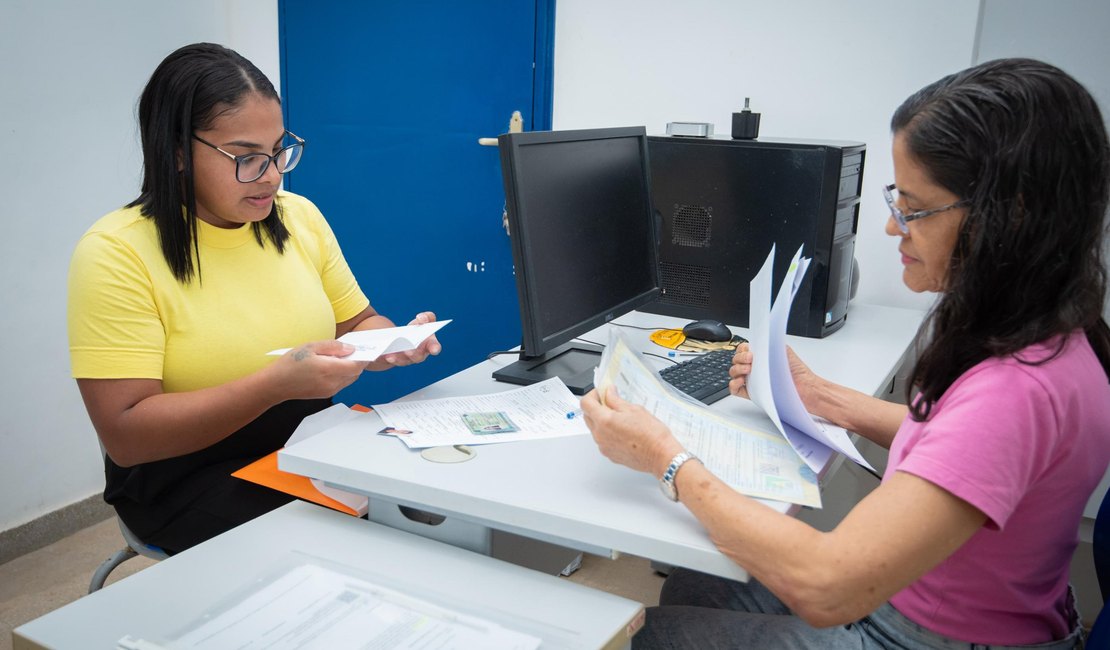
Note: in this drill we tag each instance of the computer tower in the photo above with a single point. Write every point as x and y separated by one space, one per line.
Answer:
722 203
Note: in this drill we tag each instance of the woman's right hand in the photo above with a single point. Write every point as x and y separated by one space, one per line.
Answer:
314 370
804 379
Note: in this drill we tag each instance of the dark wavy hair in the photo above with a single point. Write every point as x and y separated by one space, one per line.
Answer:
1025 145
187 92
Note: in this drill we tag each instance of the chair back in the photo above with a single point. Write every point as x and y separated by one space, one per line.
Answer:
1100 543
1099 638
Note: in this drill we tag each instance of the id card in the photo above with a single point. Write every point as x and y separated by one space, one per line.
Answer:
485 423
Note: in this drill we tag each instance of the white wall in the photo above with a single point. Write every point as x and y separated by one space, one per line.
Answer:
814 69
72 72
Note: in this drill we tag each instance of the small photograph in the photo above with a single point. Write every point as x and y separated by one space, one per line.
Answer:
394 431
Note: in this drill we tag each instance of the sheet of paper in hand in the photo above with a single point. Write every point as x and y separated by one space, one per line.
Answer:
371 344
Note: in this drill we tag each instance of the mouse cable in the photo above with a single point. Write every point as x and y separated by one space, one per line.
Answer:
652 354
637 327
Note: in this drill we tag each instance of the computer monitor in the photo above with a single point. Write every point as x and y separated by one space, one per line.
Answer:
584 245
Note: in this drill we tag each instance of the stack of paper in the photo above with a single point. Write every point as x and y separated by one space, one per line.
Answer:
756 463
771 385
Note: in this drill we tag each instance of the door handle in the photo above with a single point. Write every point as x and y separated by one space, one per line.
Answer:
516 125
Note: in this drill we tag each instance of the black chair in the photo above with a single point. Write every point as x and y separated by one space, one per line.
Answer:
1099 638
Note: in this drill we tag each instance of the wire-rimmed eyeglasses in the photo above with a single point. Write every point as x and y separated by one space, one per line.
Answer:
250 167
901 218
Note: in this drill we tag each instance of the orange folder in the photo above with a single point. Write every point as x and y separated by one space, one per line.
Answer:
264 471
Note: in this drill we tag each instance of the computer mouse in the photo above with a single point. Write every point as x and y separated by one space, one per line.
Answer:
707 330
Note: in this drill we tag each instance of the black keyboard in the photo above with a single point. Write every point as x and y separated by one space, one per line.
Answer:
704 377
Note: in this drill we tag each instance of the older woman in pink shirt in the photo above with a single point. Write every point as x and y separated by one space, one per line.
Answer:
999 200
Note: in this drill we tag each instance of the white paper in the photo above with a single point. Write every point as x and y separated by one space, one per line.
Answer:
760 390
320 421
771 385
756 463
543 410
316 423
371 344
311 607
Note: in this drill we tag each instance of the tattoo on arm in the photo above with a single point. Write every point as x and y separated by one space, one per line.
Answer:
301 354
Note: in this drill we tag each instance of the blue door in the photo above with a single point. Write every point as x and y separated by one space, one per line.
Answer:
392 97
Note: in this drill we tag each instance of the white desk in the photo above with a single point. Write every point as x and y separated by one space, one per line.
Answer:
563 490
161 599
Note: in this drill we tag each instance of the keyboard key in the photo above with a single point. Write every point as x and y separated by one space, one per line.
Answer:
704 377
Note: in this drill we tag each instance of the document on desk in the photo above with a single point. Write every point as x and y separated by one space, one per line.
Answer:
312 607
371 344
771 386
753 462
544 410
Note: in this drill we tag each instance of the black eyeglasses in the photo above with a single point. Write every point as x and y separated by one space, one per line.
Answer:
901 218
250 167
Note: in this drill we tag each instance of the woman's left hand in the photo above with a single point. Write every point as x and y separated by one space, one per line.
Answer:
627 434
429 347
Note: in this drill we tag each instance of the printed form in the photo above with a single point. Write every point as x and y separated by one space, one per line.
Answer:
756 463
310 607
543 410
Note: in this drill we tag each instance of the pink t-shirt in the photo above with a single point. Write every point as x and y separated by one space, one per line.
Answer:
1026 445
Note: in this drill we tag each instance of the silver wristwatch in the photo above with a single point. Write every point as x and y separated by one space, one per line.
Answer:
666 483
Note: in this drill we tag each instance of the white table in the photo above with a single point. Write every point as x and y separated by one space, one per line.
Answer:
563 490
161 599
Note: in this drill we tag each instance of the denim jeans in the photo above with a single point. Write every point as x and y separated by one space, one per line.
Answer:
701 611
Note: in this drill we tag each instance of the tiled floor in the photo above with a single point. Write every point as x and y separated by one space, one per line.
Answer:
48 578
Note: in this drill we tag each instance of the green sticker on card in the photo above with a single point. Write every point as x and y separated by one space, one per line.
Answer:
481 424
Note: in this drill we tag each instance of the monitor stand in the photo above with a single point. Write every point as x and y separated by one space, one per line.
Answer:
574 363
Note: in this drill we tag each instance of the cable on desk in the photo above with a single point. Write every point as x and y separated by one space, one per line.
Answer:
497 352
637 327
652 354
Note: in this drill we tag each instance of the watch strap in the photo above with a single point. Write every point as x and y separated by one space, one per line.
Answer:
666 482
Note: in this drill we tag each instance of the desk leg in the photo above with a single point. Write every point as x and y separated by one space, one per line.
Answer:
535 554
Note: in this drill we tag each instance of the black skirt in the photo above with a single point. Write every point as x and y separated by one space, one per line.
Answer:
178 502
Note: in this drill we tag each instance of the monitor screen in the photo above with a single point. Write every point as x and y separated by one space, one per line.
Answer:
584 244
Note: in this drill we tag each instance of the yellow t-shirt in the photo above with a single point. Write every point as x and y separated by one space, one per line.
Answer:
130 318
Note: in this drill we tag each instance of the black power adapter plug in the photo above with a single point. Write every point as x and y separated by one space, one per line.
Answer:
745 124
